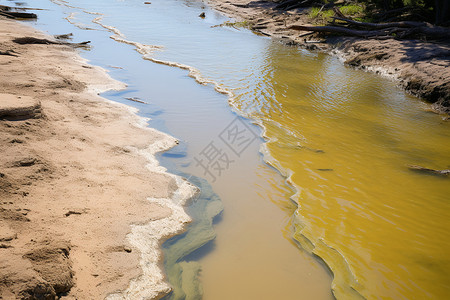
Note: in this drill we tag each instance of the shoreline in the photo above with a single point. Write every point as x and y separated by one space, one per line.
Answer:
160 213
420 68
85 205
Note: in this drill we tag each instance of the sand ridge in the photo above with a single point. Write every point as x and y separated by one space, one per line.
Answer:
73 180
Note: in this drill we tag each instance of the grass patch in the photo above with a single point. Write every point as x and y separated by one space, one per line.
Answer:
243 24
236 25
314 13
323 16
366 19
351 10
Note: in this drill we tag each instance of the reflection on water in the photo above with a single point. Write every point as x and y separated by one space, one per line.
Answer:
356 195
181 266
343 138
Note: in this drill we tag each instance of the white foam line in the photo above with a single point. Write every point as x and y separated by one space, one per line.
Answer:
148 50
157 281
70 19
64 3
149 237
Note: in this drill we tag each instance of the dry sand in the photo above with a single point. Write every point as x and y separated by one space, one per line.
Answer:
77 175
422 69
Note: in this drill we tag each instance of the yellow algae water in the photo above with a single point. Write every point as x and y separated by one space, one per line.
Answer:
346 141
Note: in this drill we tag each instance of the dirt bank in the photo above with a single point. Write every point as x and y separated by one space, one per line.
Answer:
73 180
420 68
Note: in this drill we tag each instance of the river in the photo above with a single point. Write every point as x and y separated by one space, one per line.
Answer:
302 162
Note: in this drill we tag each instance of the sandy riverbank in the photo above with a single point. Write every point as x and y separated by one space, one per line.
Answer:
421 68
77 176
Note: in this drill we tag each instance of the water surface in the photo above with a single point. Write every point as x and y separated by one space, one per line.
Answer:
343 138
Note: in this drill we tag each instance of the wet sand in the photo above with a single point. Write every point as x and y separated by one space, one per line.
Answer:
80 188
